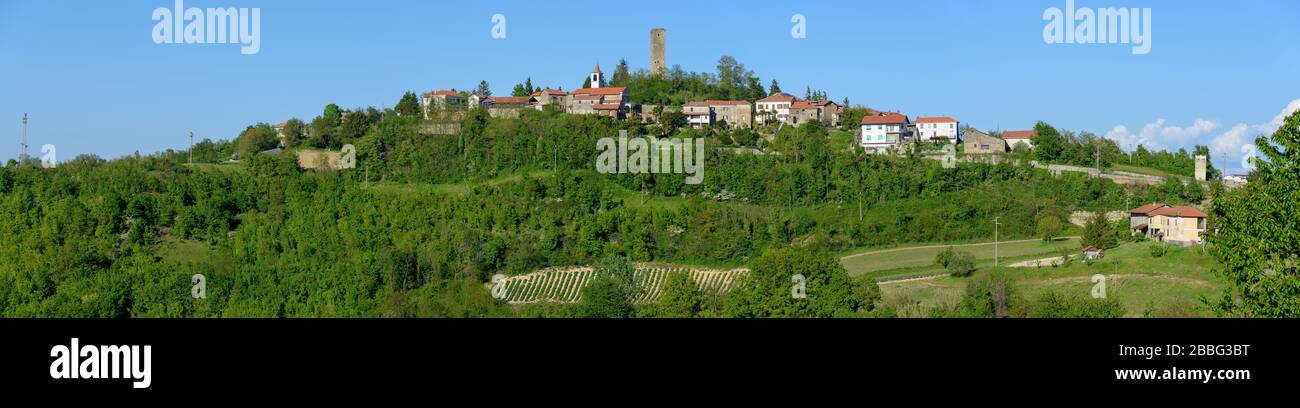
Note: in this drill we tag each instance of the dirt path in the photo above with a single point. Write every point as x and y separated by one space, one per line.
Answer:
912 279
883 251
1033 263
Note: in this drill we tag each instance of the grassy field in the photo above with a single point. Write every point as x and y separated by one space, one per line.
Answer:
842 139
1145 170
909 258
182 250
1168 286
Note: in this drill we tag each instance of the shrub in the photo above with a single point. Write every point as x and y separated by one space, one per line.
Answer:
961 265
1099 233
1049 226
1054 304
943 258
987 296
1159 249
603 298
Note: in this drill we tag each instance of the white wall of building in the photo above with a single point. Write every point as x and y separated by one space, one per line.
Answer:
937 130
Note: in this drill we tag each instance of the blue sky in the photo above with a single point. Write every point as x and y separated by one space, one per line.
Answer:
94 81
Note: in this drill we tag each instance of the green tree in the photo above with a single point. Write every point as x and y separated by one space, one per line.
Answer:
680 297
945 257
774 288
1048 143
1256 239
324 128
622 270
961 265
483 88
990 295
332 114
1098 232
603 297
520 90
621 74
774 87
1049 227
294 131
354 126
1194 192
409 105
256 138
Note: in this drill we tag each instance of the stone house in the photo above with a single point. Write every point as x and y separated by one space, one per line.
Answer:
737 114
977 142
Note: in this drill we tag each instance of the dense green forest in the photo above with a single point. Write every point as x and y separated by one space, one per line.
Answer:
423 221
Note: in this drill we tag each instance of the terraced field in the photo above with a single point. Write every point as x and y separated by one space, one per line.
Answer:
564 285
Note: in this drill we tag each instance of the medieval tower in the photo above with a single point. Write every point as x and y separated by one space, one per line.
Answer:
1200 167
657 42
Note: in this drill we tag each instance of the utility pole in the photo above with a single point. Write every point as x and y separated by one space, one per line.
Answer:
191 147
22 157
995 242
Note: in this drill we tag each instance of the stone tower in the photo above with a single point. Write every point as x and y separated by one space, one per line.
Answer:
658 40
1200 167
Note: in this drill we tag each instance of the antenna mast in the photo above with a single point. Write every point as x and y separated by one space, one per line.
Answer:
22 157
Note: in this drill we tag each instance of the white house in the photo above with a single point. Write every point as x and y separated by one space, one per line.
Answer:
775 107
698 114
935 128
880 134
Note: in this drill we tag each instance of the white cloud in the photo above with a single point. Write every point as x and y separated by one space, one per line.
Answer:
1159 136
1239 140
1233 144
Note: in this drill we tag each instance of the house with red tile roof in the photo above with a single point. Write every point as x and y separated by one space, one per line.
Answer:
774 108
884 133
1182 225
441 100
937 128
279 131
825 111
1014 137
606 101
550 96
